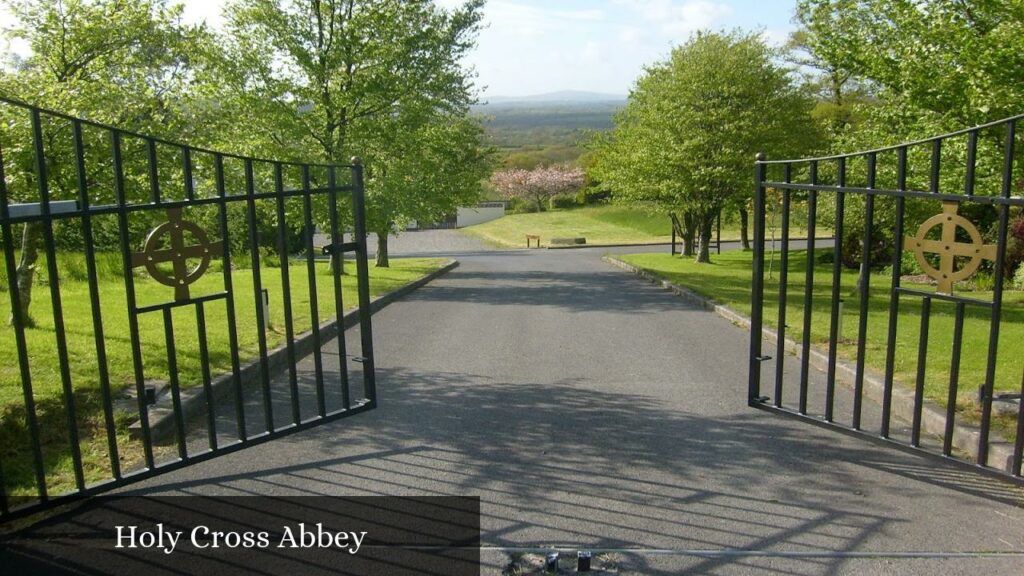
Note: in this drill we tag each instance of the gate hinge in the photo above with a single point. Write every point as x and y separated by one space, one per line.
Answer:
762 358
982 396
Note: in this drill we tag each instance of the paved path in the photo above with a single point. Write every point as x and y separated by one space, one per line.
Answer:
591 410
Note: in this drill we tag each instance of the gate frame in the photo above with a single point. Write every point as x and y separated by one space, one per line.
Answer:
82 214
757 357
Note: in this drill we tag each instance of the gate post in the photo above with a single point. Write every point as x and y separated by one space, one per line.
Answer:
757 285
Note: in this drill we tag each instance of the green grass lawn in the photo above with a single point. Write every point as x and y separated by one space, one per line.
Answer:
83 364
727 281
598 224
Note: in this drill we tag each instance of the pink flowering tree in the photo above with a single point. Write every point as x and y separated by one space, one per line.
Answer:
537 185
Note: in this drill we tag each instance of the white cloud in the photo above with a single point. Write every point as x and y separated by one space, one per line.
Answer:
524 20
775 38
199 11
679 18
592 52
630 35
449 4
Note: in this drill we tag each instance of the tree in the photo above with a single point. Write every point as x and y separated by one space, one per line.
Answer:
336 78
825 67
428 166
960 60
123 63
537 185
686 139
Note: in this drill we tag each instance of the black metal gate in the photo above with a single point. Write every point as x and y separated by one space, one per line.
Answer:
179 308
911 248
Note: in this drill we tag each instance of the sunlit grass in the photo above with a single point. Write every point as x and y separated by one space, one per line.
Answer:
598 224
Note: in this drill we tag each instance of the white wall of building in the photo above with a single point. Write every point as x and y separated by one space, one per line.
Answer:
479 214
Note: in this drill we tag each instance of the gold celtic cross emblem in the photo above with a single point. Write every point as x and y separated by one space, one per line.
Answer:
948 248
178 254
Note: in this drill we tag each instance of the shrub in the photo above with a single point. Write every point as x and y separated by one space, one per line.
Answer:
1018 279
521 206
984 281
1014 248
909 264
881 249
562 201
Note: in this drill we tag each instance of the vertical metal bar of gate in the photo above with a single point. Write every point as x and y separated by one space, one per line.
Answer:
812 234
53 280
363 276
835 319
314 309
229 300
864 284
286 293
894 293
757 288
129 288
94 300
997 298
257 290
780 343
338 263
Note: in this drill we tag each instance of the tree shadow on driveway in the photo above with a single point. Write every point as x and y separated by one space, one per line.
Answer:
566 465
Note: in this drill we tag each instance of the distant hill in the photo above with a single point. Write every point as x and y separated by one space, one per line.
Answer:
554 119
561 97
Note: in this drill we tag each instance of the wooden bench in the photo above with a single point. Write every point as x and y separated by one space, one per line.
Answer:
532 237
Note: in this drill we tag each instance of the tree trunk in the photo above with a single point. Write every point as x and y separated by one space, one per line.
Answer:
689 233
382 250
338 263
744 233
540 203
705 224
26 271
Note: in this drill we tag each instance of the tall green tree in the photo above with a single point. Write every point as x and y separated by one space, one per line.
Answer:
961 61
424 166
686 140
329 79
122 63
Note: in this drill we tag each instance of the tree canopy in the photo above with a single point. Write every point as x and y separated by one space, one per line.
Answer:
963 61
539 184
378 78
123 63
686 139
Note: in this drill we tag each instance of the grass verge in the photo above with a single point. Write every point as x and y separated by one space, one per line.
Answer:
83 366
598 224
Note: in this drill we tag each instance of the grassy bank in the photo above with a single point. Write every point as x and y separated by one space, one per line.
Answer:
598 224
727 281
84 367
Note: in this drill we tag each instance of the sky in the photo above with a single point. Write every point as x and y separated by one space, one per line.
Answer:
535 46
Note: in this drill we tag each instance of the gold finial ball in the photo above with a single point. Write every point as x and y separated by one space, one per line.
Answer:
357 161
760 157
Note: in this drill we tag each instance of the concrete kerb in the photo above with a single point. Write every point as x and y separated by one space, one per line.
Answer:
161 414
667 244
933 418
